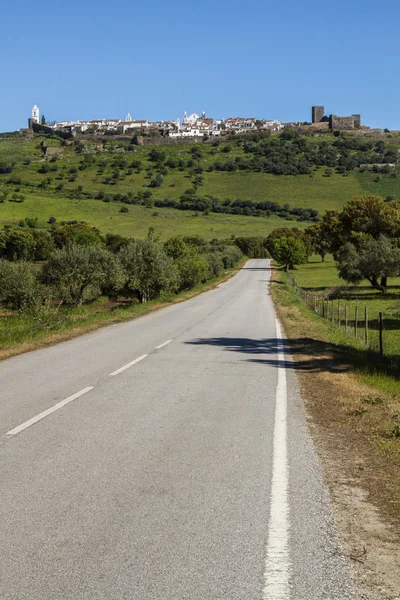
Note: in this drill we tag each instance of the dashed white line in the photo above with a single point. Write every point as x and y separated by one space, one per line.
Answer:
164 344
277 563
129 365
47 412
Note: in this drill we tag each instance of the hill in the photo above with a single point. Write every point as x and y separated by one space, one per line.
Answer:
247 186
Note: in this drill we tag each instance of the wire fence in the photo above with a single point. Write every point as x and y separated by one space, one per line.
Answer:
354 319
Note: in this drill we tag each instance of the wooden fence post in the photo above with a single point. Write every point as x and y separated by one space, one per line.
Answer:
356 321
339 314
380 322
346 318
366 325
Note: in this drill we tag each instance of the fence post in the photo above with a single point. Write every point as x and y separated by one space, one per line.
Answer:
333 312
380 322
346 318
366 325
339 314
356 321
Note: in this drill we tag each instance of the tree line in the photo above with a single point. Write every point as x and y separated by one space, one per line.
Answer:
74 264
364 239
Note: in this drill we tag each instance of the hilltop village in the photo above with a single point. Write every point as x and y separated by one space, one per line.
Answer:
196 126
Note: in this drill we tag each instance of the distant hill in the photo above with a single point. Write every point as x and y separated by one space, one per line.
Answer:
246 186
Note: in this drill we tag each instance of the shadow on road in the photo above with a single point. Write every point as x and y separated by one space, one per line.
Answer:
309 354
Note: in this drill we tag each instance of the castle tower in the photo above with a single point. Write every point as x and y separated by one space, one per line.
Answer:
35 114
317 114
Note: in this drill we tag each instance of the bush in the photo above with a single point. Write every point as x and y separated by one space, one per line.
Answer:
215 264
192 271
149 270
76 273
19 286
231 256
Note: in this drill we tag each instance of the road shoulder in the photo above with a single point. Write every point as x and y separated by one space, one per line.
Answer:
359 467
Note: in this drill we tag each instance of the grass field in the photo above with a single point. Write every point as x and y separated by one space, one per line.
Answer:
323 279
136 222
306 191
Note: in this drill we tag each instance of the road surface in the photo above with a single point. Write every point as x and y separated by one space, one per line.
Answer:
167 458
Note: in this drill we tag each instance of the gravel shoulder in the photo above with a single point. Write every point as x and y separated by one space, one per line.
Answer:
360 465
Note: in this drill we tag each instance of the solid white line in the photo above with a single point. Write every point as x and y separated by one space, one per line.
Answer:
277 563
129 365
47 412
164 344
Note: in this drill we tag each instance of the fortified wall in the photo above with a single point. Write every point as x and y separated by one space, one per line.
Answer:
343 123
336 123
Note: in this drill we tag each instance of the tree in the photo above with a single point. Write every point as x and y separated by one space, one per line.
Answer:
17 244
285 232
114 276
319 242
231 256
378 260
192 270
77 233
215 264
76 272
19 286
289 251
369 217
148 270
176 247
43 120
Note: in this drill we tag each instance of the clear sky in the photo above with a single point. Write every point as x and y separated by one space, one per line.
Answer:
157 58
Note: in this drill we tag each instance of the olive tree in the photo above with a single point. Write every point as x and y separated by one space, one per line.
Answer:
149 270
76 272
19 285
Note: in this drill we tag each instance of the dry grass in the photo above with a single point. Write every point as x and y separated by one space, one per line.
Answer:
353 425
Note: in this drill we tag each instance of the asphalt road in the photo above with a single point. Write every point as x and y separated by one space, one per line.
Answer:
188 474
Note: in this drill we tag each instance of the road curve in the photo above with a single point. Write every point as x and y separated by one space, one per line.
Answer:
167 458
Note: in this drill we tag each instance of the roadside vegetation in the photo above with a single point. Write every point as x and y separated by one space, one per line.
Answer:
352 392
70 278
364 242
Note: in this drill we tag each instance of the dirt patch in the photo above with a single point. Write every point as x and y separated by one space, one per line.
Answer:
351 424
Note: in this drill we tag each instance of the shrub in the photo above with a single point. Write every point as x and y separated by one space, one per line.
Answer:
192 271
231 256
76 272
215 264
19 287
148 269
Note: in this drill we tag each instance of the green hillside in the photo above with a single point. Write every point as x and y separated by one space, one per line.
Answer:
92 181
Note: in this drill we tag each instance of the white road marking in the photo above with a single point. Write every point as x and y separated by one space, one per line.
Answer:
47 412
164 344
277 562
129 365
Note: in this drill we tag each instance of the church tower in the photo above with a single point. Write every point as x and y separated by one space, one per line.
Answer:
128 118
35 114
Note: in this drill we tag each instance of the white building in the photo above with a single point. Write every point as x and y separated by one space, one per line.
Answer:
35 114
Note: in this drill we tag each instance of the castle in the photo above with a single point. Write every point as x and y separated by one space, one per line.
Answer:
335 123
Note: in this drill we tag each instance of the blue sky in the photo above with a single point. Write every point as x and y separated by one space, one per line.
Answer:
158 58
